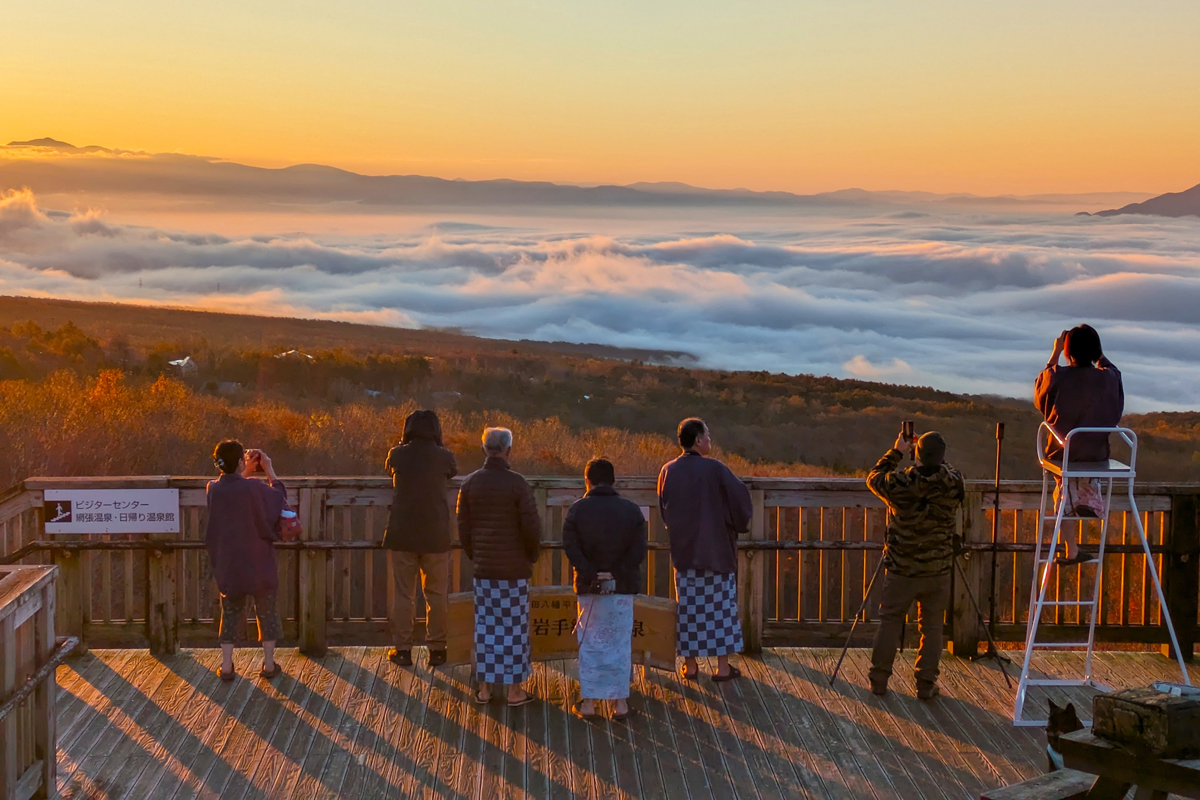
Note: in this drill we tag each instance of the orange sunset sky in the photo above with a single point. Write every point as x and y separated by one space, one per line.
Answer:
984 97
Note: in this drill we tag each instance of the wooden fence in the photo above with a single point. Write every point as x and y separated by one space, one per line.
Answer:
28 656
804 566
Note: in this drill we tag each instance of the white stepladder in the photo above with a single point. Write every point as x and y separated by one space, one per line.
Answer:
1108 472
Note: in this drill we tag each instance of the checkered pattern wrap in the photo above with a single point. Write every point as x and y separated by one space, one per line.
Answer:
707 622
501 630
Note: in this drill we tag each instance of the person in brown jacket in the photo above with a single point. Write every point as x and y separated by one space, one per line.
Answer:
500 531
418 534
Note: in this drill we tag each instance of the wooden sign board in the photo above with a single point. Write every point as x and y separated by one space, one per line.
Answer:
552 615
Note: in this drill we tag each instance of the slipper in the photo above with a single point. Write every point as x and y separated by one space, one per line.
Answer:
581 715
734 672
625 716
689 676
526 700
226 676
268 675
1082 557
479 699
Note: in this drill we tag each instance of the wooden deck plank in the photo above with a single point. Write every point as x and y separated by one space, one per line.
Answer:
356 721
857 779
155 722
175 711
81 734
748 772
107 755
315 745
670 764
232 700
903 764
796 770
136 726
282 763
245 745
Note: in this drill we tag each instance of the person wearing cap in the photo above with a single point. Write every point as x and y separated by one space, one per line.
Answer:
919 554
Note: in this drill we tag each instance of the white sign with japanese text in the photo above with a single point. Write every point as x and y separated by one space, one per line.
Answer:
111 510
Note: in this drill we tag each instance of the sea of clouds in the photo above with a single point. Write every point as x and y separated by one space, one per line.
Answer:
960 299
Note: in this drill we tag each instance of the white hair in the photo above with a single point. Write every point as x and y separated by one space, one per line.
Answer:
497 440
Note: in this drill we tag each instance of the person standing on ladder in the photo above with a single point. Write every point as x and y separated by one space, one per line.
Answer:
1086 394
919 554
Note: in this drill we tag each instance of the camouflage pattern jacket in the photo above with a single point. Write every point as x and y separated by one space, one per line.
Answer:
920 535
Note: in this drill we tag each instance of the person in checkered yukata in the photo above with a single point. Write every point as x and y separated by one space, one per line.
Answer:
705 506
500 531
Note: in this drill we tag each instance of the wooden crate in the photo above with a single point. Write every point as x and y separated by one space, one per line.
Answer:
1149 721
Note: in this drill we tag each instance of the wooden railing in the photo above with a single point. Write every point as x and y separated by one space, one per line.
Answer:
804 566
28 657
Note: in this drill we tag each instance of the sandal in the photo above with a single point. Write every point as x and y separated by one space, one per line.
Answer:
480 700
689 676
581 715
622 717
269 674
734 672
1082 557
524 701
226 676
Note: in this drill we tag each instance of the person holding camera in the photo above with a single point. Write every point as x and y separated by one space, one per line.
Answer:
921 542
1086 394
243 520
418 534
705 507
500 531
604 537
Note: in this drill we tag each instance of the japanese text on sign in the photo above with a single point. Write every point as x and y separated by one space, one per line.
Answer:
111 510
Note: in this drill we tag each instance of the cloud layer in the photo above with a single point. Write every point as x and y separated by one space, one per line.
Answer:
963 301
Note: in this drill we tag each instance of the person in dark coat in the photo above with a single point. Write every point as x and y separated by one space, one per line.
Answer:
705 507
500 531
604 537
1086 394
243 519
418 534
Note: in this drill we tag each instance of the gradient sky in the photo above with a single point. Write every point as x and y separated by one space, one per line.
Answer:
985 97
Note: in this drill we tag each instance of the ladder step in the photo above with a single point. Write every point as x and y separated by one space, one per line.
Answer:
1069 603
1036 645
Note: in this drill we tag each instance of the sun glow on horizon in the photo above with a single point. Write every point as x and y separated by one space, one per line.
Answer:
942 96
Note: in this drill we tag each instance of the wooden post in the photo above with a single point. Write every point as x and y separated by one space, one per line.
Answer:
310 571
45 737
162 619
964 622
751 578
1180 575
10 739
69 611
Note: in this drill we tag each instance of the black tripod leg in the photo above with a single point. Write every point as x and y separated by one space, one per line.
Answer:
849 636
979 615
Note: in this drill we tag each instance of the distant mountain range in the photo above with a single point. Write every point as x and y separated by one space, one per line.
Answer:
1171 204
52 167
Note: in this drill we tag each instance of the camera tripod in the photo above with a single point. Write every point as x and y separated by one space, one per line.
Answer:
990 628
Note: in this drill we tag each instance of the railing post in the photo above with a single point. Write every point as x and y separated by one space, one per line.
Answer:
10 767
751 577
45 714
69 600
310 572
1180 576
162 619
964 622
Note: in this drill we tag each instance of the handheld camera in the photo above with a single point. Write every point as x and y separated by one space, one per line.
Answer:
908 431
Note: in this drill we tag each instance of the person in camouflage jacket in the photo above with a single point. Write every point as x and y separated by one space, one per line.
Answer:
921 543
